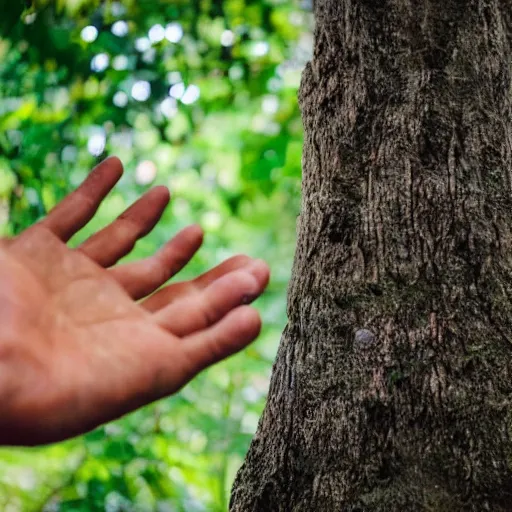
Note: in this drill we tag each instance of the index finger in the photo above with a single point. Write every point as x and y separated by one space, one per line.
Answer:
78 208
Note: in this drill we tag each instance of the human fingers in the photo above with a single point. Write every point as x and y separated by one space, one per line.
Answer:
169 363
175 291
116 240
200 311
143 277
228 336
78 208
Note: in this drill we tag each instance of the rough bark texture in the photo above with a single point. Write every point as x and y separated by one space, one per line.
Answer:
392 386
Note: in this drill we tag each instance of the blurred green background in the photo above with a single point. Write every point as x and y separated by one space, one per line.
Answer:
199 95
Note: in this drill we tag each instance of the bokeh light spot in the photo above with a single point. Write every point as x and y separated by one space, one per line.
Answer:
96 143
227 38
120 99
177 90
145 173
100 62
120 28
89 33
156 33
174 32
191 95
141 90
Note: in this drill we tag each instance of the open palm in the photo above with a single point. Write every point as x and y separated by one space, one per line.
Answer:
79 342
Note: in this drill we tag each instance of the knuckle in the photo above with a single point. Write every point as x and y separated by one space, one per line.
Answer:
210 314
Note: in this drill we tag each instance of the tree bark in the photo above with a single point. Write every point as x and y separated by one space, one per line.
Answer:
392 386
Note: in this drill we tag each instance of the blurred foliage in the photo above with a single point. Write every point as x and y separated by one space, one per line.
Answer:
199 95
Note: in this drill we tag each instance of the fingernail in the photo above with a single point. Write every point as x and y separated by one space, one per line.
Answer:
247 299
258 265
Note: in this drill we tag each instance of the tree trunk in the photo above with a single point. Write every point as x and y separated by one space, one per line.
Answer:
392 386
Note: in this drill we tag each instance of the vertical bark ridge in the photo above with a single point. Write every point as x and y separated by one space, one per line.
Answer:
392 386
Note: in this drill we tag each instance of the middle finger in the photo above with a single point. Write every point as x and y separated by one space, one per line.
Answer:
116 240
171 293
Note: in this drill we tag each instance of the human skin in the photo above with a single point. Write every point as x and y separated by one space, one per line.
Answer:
84 341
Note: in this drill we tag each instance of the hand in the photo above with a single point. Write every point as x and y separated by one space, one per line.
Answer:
76 349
